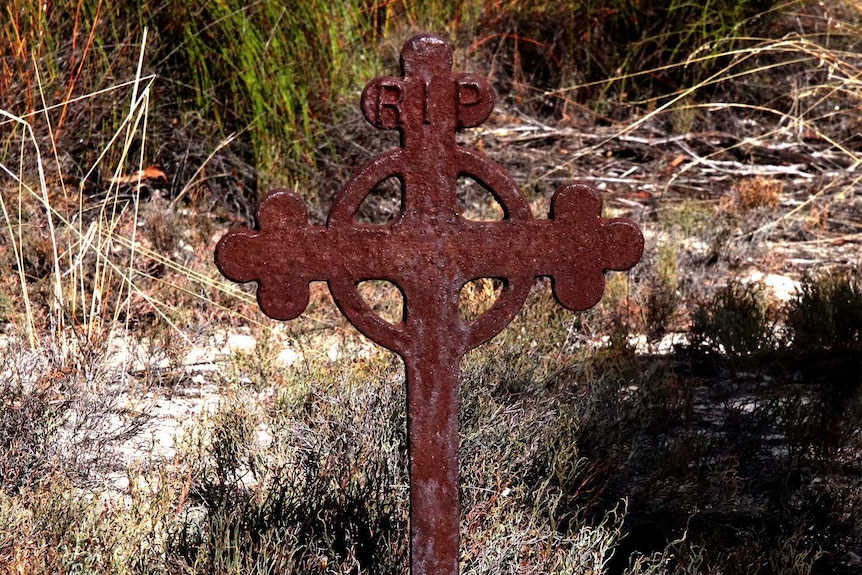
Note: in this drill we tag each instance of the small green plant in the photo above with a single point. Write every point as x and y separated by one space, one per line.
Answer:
826 313
276 68
736 323
813 429
618 315
259 367
300 488
59 528
824 325
662 297
687 218
30 415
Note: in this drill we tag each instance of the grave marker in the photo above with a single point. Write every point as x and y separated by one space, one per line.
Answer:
430 252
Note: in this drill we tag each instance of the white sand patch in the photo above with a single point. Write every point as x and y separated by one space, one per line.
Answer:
781 287
171 413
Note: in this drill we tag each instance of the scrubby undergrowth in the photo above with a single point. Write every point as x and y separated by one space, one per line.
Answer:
696 421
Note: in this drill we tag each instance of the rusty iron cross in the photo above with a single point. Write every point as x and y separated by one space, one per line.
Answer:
430 252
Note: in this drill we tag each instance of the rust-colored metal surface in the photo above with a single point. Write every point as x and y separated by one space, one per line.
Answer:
430 251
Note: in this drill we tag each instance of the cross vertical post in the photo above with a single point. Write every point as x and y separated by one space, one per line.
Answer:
430 252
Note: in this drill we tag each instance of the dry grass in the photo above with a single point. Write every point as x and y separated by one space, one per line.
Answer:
88 263
757 192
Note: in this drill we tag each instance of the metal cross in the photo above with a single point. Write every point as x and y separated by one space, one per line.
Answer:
430 252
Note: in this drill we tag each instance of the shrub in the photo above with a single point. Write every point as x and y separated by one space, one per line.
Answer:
824 324
662 298
601 47
56 418
755 192
278 69
826 313
736 322
299 491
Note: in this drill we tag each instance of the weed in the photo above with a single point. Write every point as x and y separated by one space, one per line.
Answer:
560 54
824 324
308 495
619 314
736 322
532 475
688 218
814 428
793 556
279 69
29 419
826 313
259 367
662 298
752 193
683 116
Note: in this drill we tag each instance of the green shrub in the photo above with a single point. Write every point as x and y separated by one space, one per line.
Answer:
319 492
736 322
29 418
279 69
58 528
601 47
824 324
687 218
662 298
826 313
